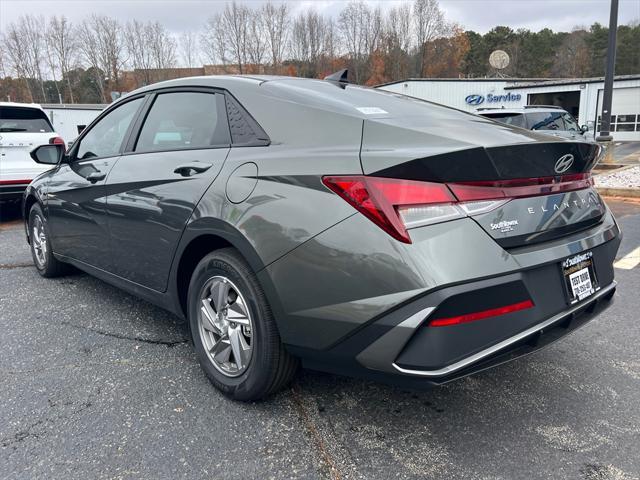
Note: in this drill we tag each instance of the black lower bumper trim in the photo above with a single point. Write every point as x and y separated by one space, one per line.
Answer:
537 340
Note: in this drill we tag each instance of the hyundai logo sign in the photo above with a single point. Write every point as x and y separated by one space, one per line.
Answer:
476 99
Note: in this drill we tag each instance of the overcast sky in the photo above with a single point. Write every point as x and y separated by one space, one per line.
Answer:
478 15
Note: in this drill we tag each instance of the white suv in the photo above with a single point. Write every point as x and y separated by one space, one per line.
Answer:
23 127
544 118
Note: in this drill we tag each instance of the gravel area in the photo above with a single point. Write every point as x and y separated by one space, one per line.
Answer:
627 178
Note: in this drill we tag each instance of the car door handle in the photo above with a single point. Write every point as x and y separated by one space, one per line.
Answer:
96 176
189 169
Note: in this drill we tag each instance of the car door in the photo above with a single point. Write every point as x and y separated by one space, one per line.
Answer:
180 147
76 199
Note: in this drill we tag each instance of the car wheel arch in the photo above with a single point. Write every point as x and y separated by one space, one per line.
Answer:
29 202
197 242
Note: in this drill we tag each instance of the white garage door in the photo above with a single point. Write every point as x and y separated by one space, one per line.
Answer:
625 113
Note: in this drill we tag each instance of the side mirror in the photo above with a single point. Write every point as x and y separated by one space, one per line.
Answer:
584 128
48 154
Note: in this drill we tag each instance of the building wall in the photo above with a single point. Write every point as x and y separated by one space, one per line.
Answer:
65 120
454 93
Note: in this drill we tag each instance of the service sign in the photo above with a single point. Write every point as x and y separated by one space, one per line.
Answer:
475 99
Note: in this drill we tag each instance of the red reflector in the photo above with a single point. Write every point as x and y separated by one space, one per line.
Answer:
14 182
56 141
378 198
472 317
520 187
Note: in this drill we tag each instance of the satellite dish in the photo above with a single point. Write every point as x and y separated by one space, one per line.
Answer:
499 59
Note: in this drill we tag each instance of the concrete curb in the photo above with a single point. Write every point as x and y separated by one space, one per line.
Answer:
619 192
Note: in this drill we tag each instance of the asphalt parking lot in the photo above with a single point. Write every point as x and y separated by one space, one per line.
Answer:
98 384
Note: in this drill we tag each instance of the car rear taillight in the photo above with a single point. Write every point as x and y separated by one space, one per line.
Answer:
520 187
472 317
56 141
397 205
394 205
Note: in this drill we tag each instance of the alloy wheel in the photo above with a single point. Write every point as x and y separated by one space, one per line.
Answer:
39 241
225 326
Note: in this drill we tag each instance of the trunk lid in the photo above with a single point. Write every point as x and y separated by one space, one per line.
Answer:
473 149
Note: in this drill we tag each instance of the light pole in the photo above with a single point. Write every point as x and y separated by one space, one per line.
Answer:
605 128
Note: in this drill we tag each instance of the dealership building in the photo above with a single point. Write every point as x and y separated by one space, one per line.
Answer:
580 97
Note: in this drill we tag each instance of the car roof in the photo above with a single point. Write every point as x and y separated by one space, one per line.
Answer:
20 105
348 99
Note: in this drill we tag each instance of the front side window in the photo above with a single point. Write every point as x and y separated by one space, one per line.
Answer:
570 122
105 137
180 120
546 121
20 119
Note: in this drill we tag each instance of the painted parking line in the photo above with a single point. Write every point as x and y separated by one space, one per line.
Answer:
629 261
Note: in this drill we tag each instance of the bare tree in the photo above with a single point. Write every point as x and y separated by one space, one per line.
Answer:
399 26
188 44
235 28
572 56
63 46
139 55
103 48
256 39
276 22
373 30
429 24
32 28
305 41
51 63
213 41
398 38
3 59
14 40
161 45
353 21
330 41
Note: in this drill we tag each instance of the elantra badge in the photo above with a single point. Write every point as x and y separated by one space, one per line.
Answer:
564 163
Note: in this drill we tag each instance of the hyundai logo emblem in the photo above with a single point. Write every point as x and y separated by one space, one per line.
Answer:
564 163
474 99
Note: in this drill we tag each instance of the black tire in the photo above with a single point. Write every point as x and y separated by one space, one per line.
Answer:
47 265
271 367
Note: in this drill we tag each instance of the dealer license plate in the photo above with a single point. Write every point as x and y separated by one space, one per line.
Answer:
580 277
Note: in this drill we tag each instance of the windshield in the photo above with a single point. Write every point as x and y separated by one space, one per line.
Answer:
515 119
21 119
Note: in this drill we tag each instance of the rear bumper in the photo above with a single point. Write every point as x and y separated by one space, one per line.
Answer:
523 343
400 347
12 191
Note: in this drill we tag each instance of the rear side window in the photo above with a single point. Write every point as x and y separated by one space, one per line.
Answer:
182 120
21 119
546 121
515 119
245 131
570 122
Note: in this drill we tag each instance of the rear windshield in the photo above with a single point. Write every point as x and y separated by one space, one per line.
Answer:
515 119
21 119
546 121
